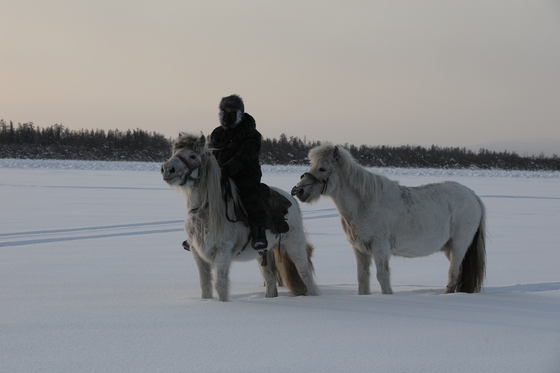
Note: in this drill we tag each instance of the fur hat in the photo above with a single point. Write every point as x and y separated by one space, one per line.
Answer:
232 102
232 119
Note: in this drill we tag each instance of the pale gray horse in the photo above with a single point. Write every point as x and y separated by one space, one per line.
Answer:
217 238
382 218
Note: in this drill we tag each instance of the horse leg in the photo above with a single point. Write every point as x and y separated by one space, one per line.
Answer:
306 275
204 275
299 251
456 251
363 261
466 251
269 274
222 262
453 273
381 257
456 248
222 279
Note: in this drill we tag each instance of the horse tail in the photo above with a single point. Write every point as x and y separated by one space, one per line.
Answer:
288 275
473 267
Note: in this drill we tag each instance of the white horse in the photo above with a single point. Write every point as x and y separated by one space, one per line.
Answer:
382 218
216 233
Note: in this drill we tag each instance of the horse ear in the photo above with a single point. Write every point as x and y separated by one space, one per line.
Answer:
202 140
335 153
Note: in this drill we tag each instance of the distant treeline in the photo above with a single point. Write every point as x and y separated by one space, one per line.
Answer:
294 151
27 141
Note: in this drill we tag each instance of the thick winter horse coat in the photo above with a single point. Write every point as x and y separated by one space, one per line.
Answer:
382 218
216 235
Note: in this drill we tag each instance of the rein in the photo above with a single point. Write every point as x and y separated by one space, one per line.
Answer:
197 209
226 195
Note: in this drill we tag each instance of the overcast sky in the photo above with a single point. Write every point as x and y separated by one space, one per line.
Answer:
450 73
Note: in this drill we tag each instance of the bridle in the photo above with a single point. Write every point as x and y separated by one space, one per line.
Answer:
226 195
314 180
189 166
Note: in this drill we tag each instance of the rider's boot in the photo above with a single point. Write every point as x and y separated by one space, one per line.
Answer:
259 240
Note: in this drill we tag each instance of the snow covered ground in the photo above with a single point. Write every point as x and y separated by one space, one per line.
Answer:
93 279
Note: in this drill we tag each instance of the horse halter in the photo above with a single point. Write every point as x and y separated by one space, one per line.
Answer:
189 166
315 180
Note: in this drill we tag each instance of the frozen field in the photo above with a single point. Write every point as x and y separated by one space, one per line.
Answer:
93 279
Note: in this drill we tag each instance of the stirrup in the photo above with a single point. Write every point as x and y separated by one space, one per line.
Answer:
259 242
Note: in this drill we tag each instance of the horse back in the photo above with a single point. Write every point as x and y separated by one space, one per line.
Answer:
448 194
427 217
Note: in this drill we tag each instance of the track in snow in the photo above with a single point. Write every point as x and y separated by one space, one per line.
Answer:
85 233
71 234
166 226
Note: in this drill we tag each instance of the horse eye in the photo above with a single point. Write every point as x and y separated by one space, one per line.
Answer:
193 156
322 169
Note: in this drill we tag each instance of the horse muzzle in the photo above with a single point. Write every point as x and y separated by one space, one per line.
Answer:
300 193
168 172
297 191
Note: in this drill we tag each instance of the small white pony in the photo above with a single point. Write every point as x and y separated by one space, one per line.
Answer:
215 235
382 218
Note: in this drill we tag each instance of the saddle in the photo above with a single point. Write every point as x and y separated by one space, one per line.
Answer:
276 207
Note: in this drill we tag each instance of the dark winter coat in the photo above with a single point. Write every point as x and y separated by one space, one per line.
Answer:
237 150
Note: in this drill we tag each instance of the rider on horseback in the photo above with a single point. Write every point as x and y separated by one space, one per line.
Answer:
236 144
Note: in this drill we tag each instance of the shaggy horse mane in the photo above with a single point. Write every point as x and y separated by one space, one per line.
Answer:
209 183
366 183
188 140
